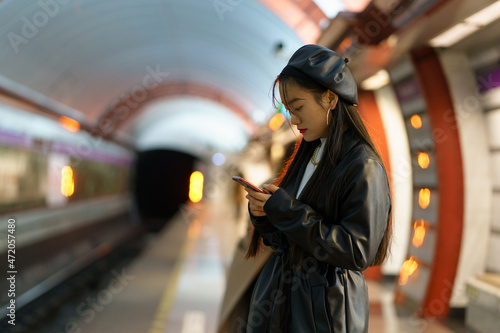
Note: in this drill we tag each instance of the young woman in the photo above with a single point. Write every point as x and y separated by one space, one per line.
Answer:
328 215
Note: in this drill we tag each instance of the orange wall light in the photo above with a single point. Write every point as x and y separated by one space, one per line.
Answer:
416 121
423 160
418 233
276 121
424 198
67 181
69 124
409 267
196 186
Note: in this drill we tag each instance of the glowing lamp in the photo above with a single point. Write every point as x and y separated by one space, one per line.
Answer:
196 186
418 233
424 198
67 181
423 160
69 124
408 269
276 121
416 121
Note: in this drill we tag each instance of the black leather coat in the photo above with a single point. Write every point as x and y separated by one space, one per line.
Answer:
329 292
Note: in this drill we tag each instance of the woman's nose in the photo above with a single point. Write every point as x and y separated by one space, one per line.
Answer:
294 119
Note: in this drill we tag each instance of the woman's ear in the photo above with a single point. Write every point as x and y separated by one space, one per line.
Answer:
333 99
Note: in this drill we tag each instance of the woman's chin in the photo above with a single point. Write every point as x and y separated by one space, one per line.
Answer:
308 138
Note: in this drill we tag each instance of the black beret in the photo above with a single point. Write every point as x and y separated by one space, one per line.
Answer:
325 67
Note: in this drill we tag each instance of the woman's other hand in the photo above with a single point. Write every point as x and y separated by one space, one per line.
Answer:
257 200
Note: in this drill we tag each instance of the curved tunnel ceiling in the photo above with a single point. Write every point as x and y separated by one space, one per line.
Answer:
90 55
162 124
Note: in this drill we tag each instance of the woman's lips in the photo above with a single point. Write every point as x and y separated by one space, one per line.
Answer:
302 130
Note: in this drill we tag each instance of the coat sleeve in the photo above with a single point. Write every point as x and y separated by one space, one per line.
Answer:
352 240
271 236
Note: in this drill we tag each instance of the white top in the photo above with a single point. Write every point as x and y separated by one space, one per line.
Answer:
311 167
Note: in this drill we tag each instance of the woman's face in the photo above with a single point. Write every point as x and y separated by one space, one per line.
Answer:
306 113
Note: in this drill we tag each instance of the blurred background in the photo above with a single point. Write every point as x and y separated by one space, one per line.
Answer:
122 122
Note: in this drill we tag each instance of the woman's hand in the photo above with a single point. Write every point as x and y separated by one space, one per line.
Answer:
257 200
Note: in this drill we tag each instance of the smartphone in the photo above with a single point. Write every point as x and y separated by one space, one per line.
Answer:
246 183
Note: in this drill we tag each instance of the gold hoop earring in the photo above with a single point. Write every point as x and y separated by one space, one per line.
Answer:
327 116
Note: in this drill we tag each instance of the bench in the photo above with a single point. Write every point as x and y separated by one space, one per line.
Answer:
483 309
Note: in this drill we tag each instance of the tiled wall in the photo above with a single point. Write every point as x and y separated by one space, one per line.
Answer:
487 70
475 155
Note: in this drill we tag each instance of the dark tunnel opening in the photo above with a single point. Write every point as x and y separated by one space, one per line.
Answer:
161 185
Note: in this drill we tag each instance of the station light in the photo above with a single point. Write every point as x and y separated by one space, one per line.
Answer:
408 269
377 81
332 8
345 44
423 160
67 181
218 159
281 109
276 121
196 186
416 121
468 26
69 124
424 198
259 116
418 233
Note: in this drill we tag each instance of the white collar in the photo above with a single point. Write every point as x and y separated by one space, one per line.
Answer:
319 152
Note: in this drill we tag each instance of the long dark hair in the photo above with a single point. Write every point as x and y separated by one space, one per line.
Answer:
344 117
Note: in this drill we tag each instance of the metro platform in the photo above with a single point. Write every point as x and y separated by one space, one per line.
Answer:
177 283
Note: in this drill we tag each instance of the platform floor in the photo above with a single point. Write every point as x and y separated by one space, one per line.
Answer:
177 283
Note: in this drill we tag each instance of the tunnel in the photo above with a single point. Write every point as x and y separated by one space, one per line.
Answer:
161 185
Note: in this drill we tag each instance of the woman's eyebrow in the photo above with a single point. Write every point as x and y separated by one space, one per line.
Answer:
295 100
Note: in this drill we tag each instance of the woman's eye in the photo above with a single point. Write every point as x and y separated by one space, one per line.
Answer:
297 109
